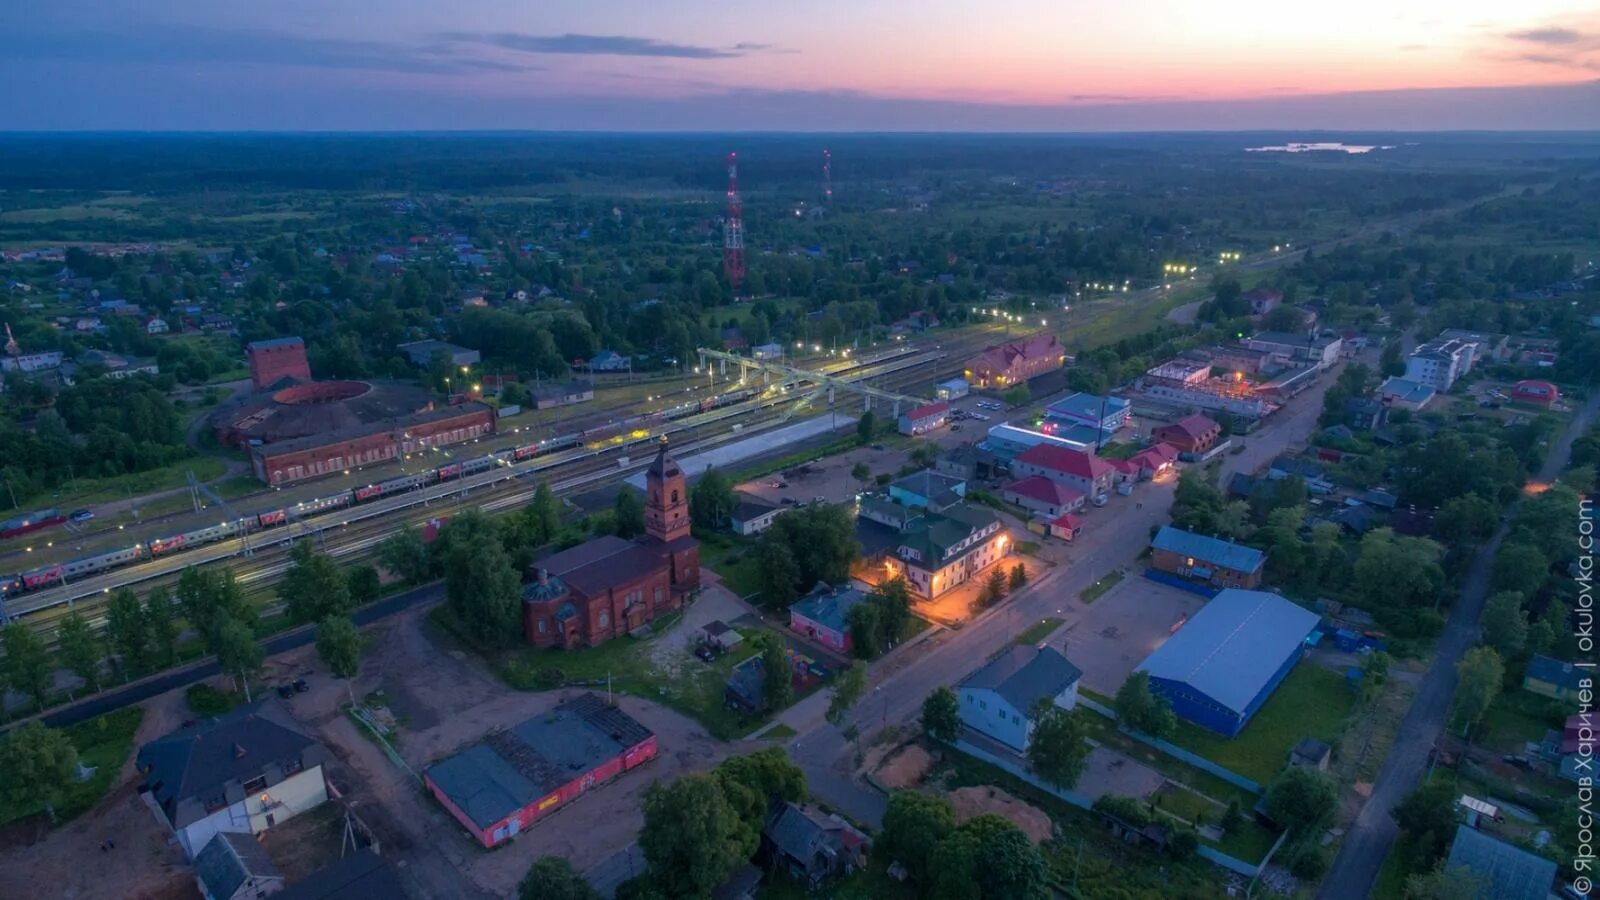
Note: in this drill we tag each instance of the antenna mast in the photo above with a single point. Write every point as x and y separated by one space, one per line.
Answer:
733 230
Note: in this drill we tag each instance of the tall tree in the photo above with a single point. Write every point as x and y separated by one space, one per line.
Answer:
363 585
1142 710
81 649
777 676
753 781
865 624
1467 519
480 584
1302 799
1520 567
554 878
37 764
913 826
1428 818
128 630
692 836
1504 624
162 625
712 499
27 664
866 427
849 687
545 513
313 587
1059 745
339 646
941 714
1478 678
628 513
406 556
780 573
238 654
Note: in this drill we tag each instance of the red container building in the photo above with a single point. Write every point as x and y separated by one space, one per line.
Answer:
510 779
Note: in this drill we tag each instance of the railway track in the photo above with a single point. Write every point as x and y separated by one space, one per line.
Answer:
351 534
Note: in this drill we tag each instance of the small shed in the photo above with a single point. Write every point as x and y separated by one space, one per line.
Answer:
1310 753
720 635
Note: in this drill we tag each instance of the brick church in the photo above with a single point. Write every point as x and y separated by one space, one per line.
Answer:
609 586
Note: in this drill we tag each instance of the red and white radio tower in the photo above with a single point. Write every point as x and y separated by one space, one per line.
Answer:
827 178
733 230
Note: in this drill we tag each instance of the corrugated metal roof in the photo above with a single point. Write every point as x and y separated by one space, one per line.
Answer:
509 769
1211 550
1233 646
1510 873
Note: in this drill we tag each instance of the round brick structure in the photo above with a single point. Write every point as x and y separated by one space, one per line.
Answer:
318 408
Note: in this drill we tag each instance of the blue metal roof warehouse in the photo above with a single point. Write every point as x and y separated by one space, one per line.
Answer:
1227 660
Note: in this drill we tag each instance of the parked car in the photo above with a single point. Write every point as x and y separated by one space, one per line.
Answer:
79 516
1101 500
705 653
955 427
790 501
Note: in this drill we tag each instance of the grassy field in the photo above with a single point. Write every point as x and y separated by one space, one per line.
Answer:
1038 631
732 558
694 688
104 744
1311 702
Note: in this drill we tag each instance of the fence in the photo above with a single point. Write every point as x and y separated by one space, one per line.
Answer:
1013 767
1174 751
1182 584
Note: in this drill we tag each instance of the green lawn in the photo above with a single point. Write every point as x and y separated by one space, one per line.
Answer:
1094 591
104 744
779 732
1104 731
733 559
624 665
1038 631
1311 702
1515 718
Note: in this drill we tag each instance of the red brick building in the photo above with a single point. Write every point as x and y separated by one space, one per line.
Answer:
1191 434
296 459
608 587
1004 365
274 360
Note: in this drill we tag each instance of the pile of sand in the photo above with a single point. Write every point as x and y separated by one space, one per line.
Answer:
970 802
905 768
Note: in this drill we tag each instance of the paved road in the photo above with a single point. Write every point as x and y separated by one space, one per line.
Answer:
143 690
1113 539
1356 868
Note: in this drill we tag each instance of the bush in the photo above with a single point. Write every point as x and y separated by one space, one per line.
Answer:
205 700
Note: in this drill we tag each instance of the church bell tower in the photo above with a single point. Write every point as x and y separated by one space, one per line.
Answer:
666 504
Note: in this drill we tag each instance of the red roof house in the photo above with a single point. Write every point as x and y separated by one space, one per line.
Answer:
1190 434
1540 393
1155 459
1041 495
1074 468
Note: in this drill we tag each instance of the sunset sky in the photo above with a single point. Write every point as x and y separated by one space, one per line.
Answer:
819 65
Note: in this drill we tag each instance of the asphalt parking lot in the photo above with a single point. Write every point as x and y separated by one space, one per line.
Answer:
1121 628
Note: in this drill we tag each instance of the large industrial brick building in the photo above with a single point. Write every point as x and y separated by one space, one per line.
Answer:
608 587
1224 663
499 786
296 428
272 361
